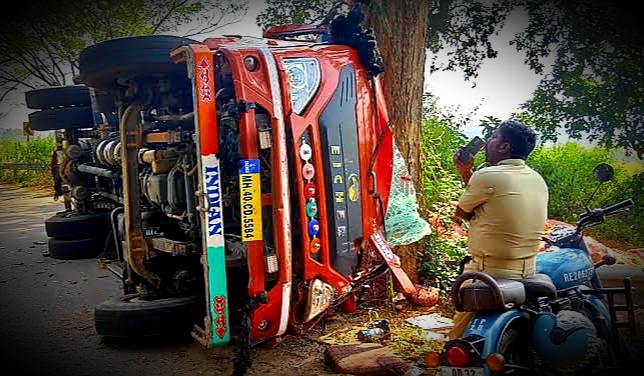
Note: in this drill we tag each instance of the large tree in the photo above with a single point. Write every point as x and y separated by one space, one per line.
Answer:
402 26
41 47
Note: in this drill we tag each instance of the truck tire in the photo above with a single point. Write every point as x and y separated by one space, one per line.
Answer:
62 118
70 225
75 249
103 64
129 316
61 96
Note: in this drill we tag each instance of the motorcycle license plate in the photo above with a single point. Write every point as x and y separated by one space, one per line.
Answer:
454 371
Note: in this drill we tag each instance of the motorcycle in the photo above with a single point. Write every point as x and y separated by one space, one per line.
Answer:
559 321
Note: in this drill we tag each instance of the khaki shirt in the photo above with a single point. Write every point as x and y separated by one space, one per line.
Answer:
510 205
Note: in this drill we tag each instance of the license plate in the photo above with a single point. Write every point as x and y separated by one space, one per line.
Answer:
454 371
250 195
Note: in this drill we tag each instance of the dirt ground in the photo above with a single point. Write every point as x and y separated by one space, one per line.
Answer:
46 316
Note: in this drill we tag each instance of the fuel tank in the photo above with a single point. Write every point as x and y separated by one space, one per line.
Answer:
567 267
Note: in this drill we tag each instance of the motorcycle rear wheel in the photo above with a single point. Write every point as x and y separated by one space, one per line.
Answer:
514 348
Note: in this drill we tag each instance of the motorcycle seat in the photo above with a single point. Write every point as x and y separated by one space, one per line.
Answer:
539 285
487 293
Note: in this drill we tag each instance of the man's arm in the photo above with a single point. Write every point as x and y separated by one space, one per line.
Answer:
479 190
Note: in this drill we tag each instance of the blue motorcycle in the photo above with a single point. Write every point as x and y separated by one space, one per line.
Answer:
560 321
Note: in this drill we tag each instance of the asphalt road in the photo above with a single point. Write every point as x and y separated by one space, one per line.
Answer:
46 314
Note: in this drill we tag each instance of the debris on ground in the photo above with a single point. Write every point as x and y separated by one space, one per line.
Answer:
434 326
409 342
375 332
425 296
431 321
370 359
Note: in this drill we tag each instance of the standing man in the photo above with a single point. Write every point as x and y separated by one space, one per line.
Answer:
506 205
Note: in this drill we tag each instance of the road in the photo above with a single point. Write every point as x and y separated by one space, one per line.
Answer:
46 319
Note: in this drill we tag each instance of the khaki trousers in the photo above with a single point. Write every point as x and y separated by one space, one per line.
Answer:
497 268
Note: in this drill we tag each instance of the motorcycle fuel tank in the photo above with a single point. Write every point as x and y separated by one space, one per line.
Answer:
567 267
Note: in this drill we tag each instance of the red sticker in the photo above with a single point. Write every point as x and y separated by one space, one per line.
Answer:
220 321
205 92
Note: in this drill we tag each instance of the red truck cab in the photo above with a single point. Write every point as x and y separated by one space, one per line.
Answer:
316 118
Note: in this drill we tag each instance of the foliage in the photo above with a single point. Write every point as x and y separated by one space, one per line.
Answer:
568 171
280 12
41 47
442 187
463 28
596 86
440 261
38 151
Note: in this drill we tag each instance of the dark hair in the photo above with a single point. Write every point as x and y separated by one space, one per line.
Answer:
522 139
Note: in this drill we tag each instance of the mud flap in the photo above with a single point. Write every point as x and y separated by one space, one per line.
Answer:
393 261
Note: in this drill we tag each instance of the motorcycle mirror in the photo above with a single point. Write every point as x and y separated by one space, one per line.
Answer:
603 172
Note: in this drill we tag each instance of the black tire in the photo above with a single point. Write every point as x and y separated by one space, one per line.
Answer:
129 317
76 249
62 118
69 225
62 96
103 64
513 345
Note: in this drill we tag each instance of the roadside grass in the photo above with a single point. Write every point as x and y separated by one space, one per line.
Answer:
37 151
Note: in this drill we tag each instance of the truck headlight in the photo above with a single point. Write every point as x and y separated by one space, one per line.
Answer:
304 79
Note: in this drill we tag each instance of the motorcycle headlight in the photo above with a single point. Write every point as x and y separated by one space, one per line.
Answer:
304 79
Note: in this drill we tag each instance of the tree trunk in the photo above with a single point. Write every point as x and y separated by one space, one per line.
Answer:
400 27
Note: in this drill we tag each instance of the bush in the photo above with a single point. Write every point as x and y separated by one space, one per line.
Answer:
568 171
442 187
38 151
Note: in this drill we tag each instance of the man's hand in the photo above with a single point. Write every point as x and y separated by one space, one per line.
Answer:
464 169
461 215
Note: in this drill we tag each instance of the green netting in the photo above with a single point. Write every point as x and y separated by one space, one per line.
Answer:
403 223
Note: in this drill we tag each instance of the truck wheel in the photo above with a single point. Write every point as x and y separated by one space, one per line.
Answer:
61 96
74 249
104 64
130 316
70 225
62 118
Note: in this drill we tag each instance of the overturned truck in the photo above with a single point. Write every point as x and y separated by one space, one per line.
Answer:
243 186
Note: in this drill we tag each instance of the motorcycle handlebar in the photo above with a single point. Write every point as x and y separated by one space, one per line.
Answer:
621 205
597 215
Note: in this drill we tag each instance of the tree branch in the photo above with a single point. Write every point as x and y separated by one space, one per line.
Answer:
211 28
165 17
7 91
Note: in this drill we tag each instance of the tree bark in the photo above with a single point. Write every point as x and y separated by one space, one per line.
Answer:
400 27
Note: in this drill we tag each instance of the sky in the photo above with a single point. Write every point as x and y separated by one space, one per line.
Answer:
503 83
